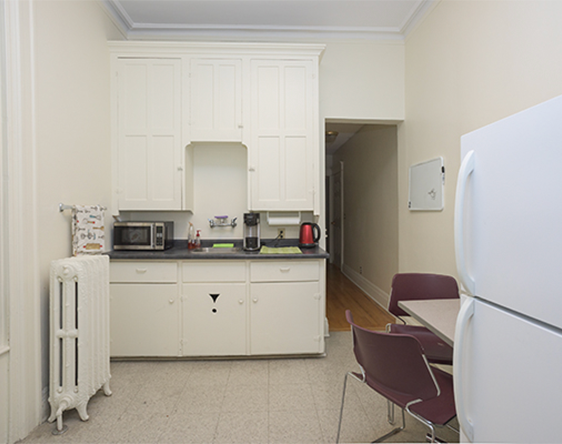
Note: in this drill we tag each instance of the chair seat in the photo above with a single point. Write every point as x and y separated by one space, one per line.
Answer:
436 350
439 410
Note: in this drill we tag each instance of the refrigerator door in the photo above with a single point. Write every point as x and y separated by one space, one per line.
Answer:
508 212
507 376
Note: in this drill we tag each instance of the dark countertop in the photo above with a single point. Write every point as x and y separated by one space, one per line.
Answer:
179 252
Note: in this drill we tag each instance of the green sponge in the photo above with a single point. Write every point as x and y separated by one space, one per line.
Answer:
223 245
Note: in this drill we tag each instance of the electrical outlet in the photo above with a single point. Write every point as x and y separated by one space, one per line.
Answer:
281 233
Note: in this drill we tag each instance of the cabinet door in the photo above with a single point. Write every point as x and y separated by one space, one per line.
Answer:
214 319
216 100
282 135
144 320
149 134
285 318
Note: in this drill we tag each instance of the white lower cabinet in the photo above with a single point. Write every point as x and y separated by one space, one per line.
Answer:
214 319
217 308
144 320
287 307
214 308
144 309
285 318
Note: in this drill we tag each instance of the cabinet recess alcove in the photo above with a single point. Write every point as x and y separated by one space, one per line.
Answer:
167 95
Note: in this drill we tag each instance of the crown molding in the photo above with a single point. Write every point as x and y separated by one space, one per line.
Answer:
257 34
117 15
156 31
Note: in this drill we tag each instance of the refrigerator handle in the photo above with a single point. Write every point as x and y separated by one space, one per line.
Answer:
465 314
467 167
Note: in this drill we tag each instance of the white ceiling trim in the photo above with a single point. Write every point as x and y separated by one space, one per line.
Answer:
134 30
118 14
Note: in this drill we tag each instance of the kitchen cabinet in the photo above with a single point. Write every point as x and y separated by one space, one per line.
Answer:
168 95
144 309
148 152
216 100
219 308
284 134
214 308
287 308
214 319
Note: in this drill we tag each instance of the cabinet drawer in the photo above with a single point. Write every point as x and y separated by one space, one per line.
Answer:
280 271
220 271
144 271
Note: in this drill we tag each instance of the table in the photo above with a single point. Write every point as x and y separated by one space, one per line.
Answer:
438 315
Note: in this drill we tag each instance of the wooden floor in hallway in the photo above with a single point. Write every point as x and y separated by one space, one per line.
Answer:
342 295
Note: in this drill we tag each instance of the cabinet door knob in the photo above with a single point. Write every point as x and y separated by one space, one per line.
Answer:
171 301
241 301
255 300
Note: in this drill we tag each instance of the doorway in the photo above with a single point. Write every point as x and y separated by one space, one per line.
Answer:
336 218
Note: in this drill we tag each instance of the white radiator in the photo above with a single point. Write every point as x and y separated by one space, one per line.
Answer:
79 332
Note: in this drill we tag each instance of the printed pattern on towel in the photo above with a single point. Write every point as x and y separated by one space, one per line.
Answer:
88 236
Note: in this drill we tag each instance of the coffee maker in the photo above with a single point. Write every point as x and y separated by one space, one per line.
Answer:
251 231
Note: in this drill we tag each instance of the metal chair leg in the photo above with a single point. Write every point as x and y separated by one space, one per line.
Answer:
390 412
428 438
390 406
393 431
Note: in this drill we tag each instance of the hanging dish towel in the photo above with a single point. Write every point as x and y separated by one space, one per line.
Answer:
88 236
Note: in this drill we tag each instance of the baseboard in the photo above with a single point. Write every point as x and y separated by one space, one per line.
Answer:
370 289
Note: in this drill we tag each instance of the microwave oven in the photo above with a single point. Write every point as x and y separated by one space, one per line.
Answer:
143 235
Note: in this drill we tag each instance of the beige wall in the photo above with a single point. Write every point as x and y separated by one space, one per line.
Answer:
468 64
362 80
72 125
371 210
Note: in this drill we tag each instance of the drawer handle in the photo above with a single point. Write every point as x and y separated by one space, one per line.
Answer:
285 269
142 270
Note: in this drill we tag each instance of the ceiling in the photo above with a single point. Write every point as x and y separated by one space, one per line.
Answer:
267 19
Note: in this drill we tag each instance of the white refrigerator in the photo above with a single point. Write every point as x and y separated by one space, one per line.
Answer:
508 240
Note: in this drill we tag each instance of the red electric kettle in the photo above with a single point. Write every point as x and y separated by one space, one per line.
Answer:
309 235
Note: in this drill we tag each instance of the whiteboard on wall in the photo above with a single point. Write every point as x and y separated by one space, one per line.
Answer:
427 180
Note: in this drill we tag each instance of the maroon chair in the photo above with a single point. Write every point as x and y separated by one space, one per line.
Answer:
416 286
394 365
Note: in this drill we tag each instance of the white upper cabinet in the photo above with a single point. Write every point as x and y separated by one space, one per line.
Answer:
148 127
216 100
284 135
168 95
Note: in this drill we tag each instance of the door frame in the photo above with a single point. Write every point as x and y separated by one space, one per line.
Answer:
331 216
19 221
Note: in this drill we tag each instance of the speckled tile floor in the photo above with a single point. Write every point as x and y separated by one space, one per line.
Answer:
234 401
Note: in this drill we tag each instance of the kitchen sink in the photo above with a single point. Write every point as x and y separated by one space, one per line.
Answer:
217 250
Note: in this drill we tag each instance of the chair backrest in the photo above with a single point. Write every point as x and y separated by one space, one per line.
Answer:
415 286
394 364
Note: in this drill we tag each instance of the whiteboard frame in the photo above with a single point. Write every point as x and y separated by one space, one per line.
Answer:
427 178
